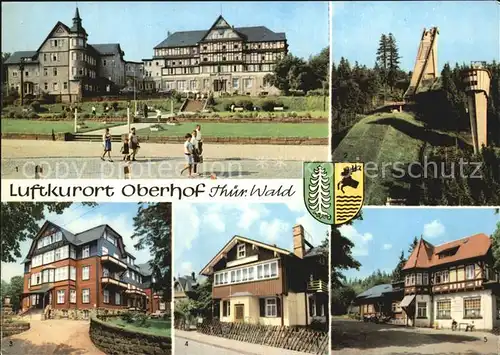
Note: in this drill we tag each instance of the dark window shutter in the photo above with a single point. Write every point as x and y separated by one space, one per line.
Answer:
311 307
262 304
228 308
278 307
224 309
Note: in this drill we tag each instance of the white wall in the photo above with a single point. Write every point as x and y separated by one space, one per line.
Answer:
488 309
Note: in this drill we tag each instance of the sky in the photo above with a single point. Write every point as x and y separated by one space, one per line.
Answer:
468 30
79 218
139 26
384 232
202 230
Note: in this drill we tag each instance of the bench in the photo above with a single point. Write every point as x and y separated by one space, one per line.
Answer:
238 109
278 108
467 326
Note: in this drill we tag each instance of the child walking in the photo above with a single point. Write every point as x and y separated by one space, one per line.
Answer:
125 149
107 145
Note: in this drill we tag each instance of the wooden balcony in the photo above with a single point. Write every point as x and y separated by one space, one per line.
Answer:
112 281
108 259
317 286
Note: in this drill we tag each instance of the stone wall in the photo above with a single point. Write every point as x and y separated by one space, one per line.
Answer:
82 314
112 339
14 327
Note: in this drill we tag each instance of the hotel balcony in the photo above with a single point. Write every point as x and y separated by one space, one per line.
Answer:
113 281
317 286
133 290
111 260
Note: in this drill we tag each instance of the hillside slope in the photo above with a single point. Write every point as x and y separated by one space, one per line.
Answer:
387 143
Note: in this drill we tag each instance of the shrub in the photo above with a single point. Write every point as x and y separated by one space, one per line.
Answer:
317 92
268 105
296 93
104 105
211 101
86 115
115 106
11 114
33 115
127 317
19 115
177 96
246 104
35 106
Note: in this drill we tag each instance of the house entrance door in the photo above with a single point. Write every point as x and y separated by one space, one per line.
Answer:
239 313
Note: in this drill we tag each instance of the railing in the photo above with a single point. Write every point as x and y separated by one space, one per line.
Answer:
111 280
317 286
112 259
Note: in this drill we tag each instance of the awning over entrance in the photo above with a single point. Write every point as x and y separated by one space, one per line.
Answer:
407 301
42 289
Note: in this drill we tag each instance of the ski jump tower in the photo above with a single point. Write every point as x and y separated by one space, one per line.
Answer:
425 70
477 86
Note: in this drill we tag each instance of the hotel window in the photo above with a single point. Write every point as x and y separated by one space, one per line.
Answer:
73 56
72 296
26 73
86 273
48 257
86 295
226 308
244 274
65 85
60 296
106 296
233 276
118 299
55 86
260 274
72 273
61 273
104 62
271 307
54 57
425 279
469 272
274 269
72 252
445 276
421 309
248 83
472 307
419 279
241 251
236 83
444 309
267 271
55 71
104 251
37 261
127 274
412 279
51 275
45 276
86 251
44 57
45 71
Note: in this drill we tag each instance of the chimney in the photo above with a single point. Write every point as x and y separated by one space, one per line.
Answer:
299 247
193 276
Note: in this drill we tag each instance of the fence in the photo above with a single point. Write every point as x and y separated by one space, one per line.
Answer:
292 338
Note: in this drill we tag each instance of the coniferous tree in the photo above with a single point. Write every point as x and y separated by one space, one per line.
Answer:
412 246
392 61
397 274
382 56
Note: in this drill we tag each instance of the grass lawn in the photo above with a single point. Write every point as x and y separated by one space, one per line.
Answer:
312 130
314 114
46 127
386 140
155 326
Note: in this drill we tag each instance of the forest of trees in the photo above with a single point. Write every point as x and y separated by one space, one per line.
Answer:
296 76
357 89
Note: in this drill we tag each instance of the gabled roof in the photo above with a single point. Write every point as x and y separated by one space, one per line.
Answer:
234 240
188 283
426 255
375 291
15 58
192 38
145 269
107 48
59 23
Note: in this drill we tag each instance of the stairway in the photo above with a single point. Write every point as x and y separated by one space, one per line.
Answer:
192 105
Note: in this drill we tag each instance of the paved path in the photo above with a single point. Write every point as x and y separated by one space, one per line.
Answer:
52 337
65 160
120 129
194 343
359 338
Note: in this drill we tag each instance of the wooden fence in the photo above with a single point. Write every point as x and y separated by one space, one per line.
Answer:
292 338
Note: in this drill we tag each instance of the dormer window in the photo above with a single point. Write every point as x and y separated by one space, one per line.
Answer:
241 251
447 252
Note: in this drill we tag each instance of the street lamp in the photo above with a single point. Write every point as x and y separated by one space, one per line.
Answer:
21 69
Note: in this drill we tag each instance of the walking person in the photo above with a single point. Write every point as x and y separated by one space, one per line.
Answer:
106 140
94 113
145 108
196 156
199 139
133 143
188 154
125 149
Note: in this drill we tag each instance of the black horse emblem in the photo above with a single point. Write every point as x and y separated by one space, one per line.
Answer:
347 179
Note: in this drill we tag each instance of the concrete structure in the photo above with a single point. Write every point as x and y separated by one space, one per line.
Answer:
222 59
67 67
477 86
85 271
452 281
260 283
425 71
